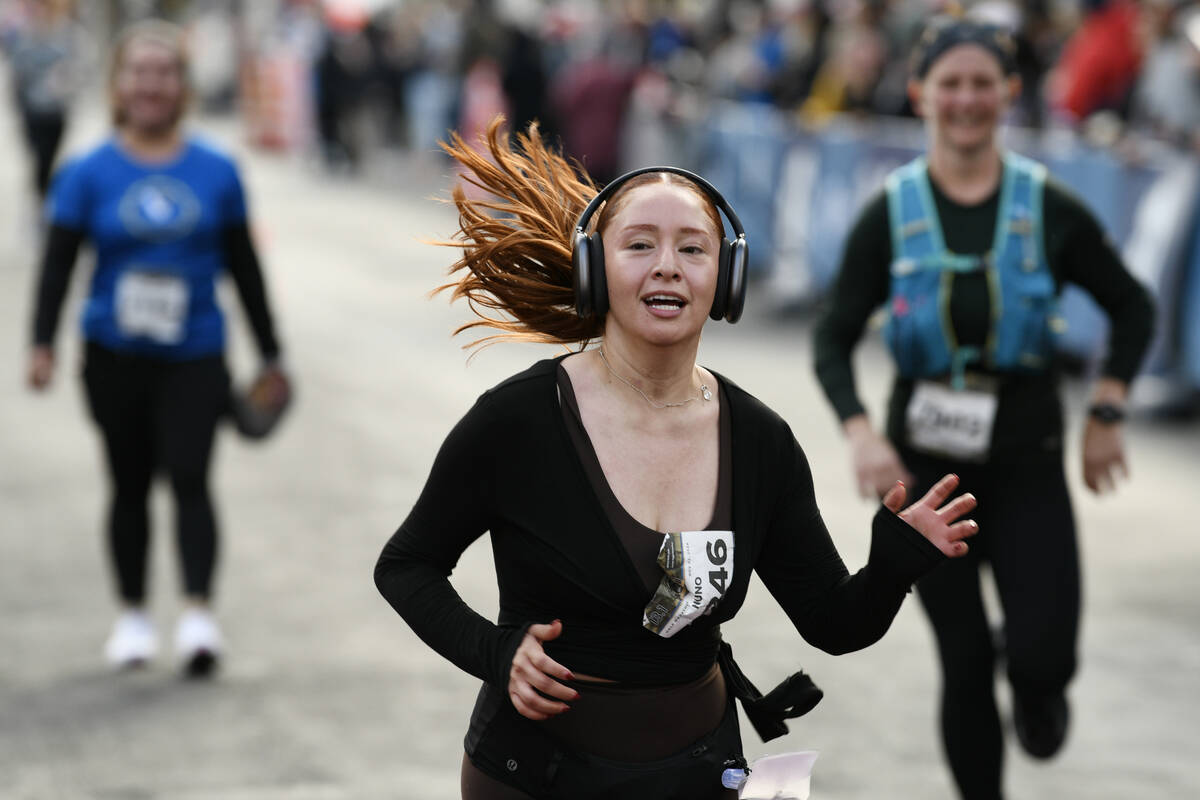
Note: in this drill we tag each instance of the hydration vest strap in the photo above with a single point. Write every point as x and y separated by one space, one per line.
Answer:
960 358
1019 216
912 212
954 262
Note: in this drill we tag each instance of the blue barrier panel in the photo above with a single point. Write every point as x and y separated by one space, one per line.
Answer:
1112 190
1189 317
743 154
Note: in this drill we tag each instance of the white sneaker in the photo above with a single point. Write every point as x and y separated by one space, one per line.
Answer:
197 642
132 642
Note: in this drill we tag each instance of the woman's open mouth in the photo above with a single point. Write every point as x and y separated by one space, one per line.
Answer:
664 305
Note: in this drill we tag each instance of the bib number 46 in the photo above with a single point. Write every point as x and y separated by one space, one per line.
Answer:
717 553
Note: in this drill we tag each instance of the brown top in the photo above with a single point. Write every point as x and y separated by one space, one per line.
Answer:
643 542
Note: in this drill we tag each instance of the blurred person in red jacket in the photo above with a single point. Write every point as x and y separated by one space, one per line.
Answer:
1100 61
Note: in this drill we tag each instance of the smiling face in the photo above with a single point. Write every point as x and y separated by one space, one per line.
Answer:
660 258
963 97
148 86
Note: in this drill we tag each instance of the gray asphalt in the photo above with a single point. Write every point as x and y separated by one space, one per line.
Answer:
325 694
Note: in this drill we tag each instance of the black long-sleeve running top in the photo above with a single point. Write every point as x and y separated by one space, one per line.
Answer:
509 467
1029 415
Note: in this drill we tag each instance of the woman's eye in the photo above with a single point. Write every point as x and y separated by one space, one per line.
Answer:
692 250
639 245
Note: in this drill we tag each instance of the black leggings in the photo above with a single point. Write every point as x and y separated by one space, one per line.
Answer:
156 414
43 133
1027 537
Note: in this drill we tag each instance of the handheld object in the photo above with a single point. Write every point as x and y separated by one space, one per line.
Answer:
257 409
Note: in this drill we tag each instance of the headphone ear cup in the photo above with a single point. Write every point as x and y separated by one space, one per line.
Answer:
739 258
721 295
581 273
599 295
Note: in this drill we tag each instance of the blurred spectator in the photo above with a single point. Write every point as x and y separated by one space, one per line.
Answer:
1099 62
1037 44
482 99
1167 97
590 96
744 63
43 44
211 26
394 38
342 72
431 91
858 53
523 71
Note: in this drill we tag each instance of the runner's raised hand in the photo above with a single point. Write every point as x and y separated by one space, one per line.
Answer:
934 521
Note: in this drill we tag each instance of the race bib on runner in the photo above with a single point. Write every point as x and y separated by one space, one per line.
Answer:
951 423
152 304
697 567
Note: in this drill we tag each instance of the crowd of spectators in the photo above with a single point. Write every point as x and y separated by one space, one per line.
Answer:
1104 67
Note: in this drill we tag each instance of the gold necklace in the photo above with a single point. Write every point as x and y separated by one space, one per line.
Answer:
705 392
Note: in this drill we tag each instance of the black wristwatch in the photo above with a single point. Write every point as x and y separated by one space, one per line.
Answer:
1106 413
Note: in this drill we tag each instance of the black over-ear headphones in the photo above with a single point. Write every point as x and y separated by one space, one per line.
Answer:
587 254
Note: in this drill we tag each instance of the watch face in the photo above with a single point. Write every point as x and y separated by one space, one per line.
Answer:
1107 413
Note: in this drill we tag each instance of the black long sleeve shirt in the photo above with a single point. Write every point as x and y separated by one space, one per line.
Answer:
1029 415
509 467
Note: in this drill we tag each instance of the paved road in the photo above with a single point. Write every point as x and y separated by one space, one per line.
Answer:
326 695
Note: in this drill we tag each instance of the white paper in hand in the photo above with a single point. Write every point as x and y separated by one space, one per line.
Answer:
780 777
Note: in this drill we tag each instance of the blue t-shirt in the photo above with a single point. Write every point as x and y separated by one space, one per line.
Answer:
157 230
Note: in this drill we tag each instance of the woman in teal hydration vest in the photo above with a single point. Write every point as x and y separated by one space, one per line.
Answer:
967 247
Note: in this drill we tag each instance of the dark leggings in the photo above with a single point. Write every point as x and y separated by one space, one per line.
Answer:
158 415
475 784
43 133
1027 537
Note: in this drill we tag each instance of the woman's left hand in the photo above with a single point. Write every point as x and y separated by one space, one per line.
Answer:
934 521
272 388
1103 456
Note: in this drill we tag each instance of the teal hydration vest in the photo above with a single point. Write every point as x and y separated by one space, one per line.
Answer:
1024 297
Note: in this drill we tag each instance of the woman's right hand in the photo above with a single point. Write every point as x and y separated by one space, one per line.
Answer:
533 674
41 367
877 466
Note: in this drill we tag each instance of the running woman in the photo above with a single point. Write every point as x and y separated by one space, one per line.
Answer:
968 246
629 494
166 215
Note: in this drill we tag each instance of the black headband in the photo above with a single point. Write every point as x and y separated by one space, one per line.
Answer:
943 33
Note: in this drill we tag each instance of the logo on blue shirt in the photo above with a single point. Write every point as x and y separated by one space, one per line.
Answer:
159 208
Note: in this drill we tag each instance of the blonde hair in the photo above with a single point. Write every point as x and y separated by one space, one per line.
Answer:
160 32
517 273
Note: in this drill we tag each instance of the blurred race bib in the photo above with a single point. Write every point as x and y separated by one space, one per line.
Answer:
152 304
949 422
697 567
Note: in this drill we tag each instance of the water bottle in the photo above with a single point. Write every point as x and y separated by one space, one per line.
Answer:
734 778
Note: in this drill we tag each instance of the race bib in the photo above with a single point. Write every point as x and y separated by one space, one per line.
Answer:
951 423
152 304
697 566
